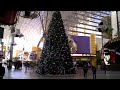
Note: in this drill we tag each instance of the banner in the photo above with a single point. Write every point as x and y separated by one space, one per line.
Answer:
83 44
93 44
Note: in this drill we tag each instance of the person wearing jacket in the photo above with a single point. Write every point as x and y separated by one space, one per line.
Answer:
85 69
2 71
94 72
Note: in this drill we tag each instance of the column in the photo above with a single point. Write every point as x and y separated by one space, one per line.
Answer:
114 23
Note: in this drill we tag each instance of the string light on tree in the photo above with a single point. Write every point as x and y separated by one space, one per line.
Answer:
56 51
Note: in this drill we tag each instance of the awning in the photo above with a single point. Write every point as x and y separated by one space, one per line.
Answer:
113 43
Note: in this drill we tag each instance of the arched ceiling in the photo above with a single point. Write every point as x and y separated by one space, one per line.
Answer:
32 30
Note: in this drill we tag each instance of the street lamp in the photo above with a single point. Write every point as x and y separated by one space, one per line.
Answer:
27 13
117 23
1 52
14 33
100 29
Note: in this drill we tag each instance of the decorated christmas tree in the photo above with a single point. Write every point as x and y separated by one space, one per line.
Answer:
56 56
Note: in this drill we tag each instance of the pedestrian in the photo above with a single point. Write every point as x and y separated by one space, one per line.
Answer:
26 65
85 69
104 67
75 64
2 71
9 65
94 72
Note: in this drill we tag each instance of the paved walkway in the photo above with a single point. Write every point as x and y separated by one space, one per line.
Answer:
21 74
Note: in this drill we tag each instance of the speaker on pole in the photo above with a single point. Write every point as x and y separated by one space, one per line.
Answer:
27 13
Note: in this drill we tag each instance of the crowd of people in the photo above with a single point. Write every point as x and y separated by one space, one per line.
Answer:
85 66
85 70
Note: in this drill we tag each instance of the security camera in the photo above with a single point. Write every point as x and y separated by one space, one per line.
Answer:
30 14
27 13
21 35
101 23
99 29
13 44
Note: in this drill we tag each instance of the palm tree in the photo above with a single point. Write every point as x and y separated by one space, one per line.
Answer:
108 32
107 28
117 34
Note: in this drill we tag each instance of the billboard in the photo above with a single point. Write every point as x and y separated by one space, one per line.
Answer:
83 44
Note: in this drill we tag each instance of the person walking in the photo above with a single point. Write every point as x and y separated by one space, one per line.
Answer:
26 65
94 72
85 69
104 67
2 71
9 64
75 64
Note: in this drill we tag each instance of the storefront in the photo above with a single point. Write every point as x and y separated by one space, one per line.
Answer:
114 50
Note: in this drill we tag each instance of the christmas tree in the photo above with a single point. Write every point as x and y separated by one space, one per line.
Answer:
56 56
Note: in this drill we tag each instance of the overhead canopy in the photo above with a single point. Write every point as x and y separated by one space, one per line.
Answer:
113 43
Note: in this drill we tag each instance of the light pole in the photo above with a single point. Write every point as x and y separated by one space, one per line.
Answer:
14 33
102 40
1 52
11 48
117 23
102 50
100 30
2 46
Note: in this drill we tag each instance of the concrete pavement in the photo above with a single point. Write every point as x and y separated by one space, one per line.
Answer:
21 74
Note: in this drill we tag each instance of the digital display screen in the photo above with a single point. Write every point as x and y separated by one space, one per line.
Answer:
83 44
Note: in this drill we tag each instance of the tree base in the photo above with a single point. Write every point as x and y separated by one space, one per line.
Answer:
71 71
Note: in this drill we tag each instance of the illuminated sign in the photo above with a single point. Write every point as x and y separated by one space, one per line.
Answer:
83 44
